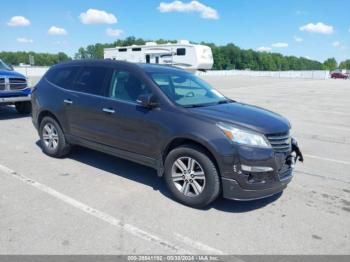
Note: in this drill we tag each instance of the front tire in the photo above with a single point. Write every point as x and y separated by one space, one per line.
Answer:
191 176
53 141
24 108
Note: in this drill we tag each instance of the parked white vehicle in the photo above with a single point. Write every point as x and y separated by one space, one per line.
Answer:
182 54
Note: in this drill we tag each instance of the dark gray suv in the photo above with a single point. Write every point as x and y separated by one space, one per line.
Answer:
201 142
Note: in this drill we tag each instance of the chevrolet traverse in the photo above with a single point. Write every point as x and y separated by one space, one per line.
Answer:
203 143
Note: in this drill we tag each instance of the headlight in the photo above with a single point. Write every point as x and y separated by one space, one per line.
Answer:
244 137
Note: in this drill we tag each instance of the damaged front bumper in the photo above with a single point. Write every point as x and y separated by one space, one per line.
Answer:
259 173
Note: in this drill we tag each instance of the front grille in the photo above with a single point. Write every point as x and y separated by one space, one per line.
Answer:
2 83
280 142
17 83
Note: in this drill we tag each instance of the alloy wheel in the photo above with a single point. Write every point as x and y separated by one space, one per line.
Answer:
50 136
188 176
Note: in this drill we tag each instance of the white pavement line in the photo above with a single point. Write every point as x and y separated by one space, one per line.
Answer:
198 245
320 176
96 213
328 159
331 112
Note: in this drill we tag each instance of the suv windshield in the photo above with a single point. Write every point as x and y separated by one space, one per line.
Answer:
4 66
187 90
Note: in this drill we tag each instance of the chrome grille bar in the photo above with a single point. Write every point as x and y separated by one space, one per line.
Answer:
2 83
280 142
8 84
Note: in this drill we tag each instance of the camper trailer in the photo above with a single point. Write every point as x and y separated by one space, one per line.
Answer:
181 54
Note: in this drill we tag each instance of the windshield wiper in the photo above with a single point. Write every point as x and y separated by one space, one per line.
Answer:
223 102
227 101
210 104
195 105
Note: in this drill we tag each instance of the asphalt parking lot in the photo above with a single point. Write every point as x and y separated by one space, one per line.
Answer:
92 203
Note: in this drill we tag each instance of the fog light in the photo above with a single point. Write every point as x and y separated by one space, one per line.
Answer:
256 168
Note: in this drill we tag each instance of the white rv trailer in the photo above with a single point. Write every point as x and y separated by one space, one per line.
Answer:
181 54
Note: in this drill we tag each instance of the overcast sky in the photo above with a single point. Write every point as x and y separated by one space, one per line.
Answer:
309 28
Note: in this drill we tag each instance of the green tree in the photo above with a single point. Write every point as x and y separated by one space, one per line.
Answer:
345 64
330 64
41 59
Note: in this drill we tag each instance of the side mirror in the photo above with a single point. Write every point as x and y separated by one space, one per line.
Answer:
147 100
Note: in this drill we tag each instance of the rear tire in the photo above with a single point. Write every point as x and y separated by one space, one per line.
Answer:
191 176
24 108
53 141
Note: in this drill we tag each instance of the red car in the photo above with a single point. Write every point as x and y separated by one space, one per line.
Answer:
339 75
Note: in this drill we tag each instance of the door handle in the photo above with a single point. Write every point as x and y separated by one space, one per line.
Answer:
68 101
108 110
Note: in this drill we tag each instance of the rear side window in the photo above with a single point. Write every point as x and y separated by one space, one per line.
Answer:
90 80
126 87
63 77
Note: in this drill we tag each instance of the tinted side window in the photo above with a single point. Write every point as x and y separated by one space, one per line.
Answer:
63 77
125 86
90 80
181 51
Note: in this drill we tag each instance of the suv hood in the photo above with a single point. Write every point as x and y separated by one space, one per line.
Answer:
8 73
243 115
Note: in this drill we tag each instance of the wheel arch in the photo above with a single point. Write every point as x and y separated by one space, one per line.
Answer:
45 113
181 141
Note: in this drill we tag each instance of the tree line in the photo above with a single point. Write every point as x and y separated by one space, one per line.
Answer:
40 59
226 57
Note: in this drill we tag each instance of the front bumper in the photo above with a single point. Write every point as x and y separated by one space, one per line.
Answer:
259 173
9 100
232 190
8 97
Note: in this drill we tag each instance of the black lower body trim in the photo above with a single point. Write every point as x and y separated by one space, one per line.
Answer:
232 190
